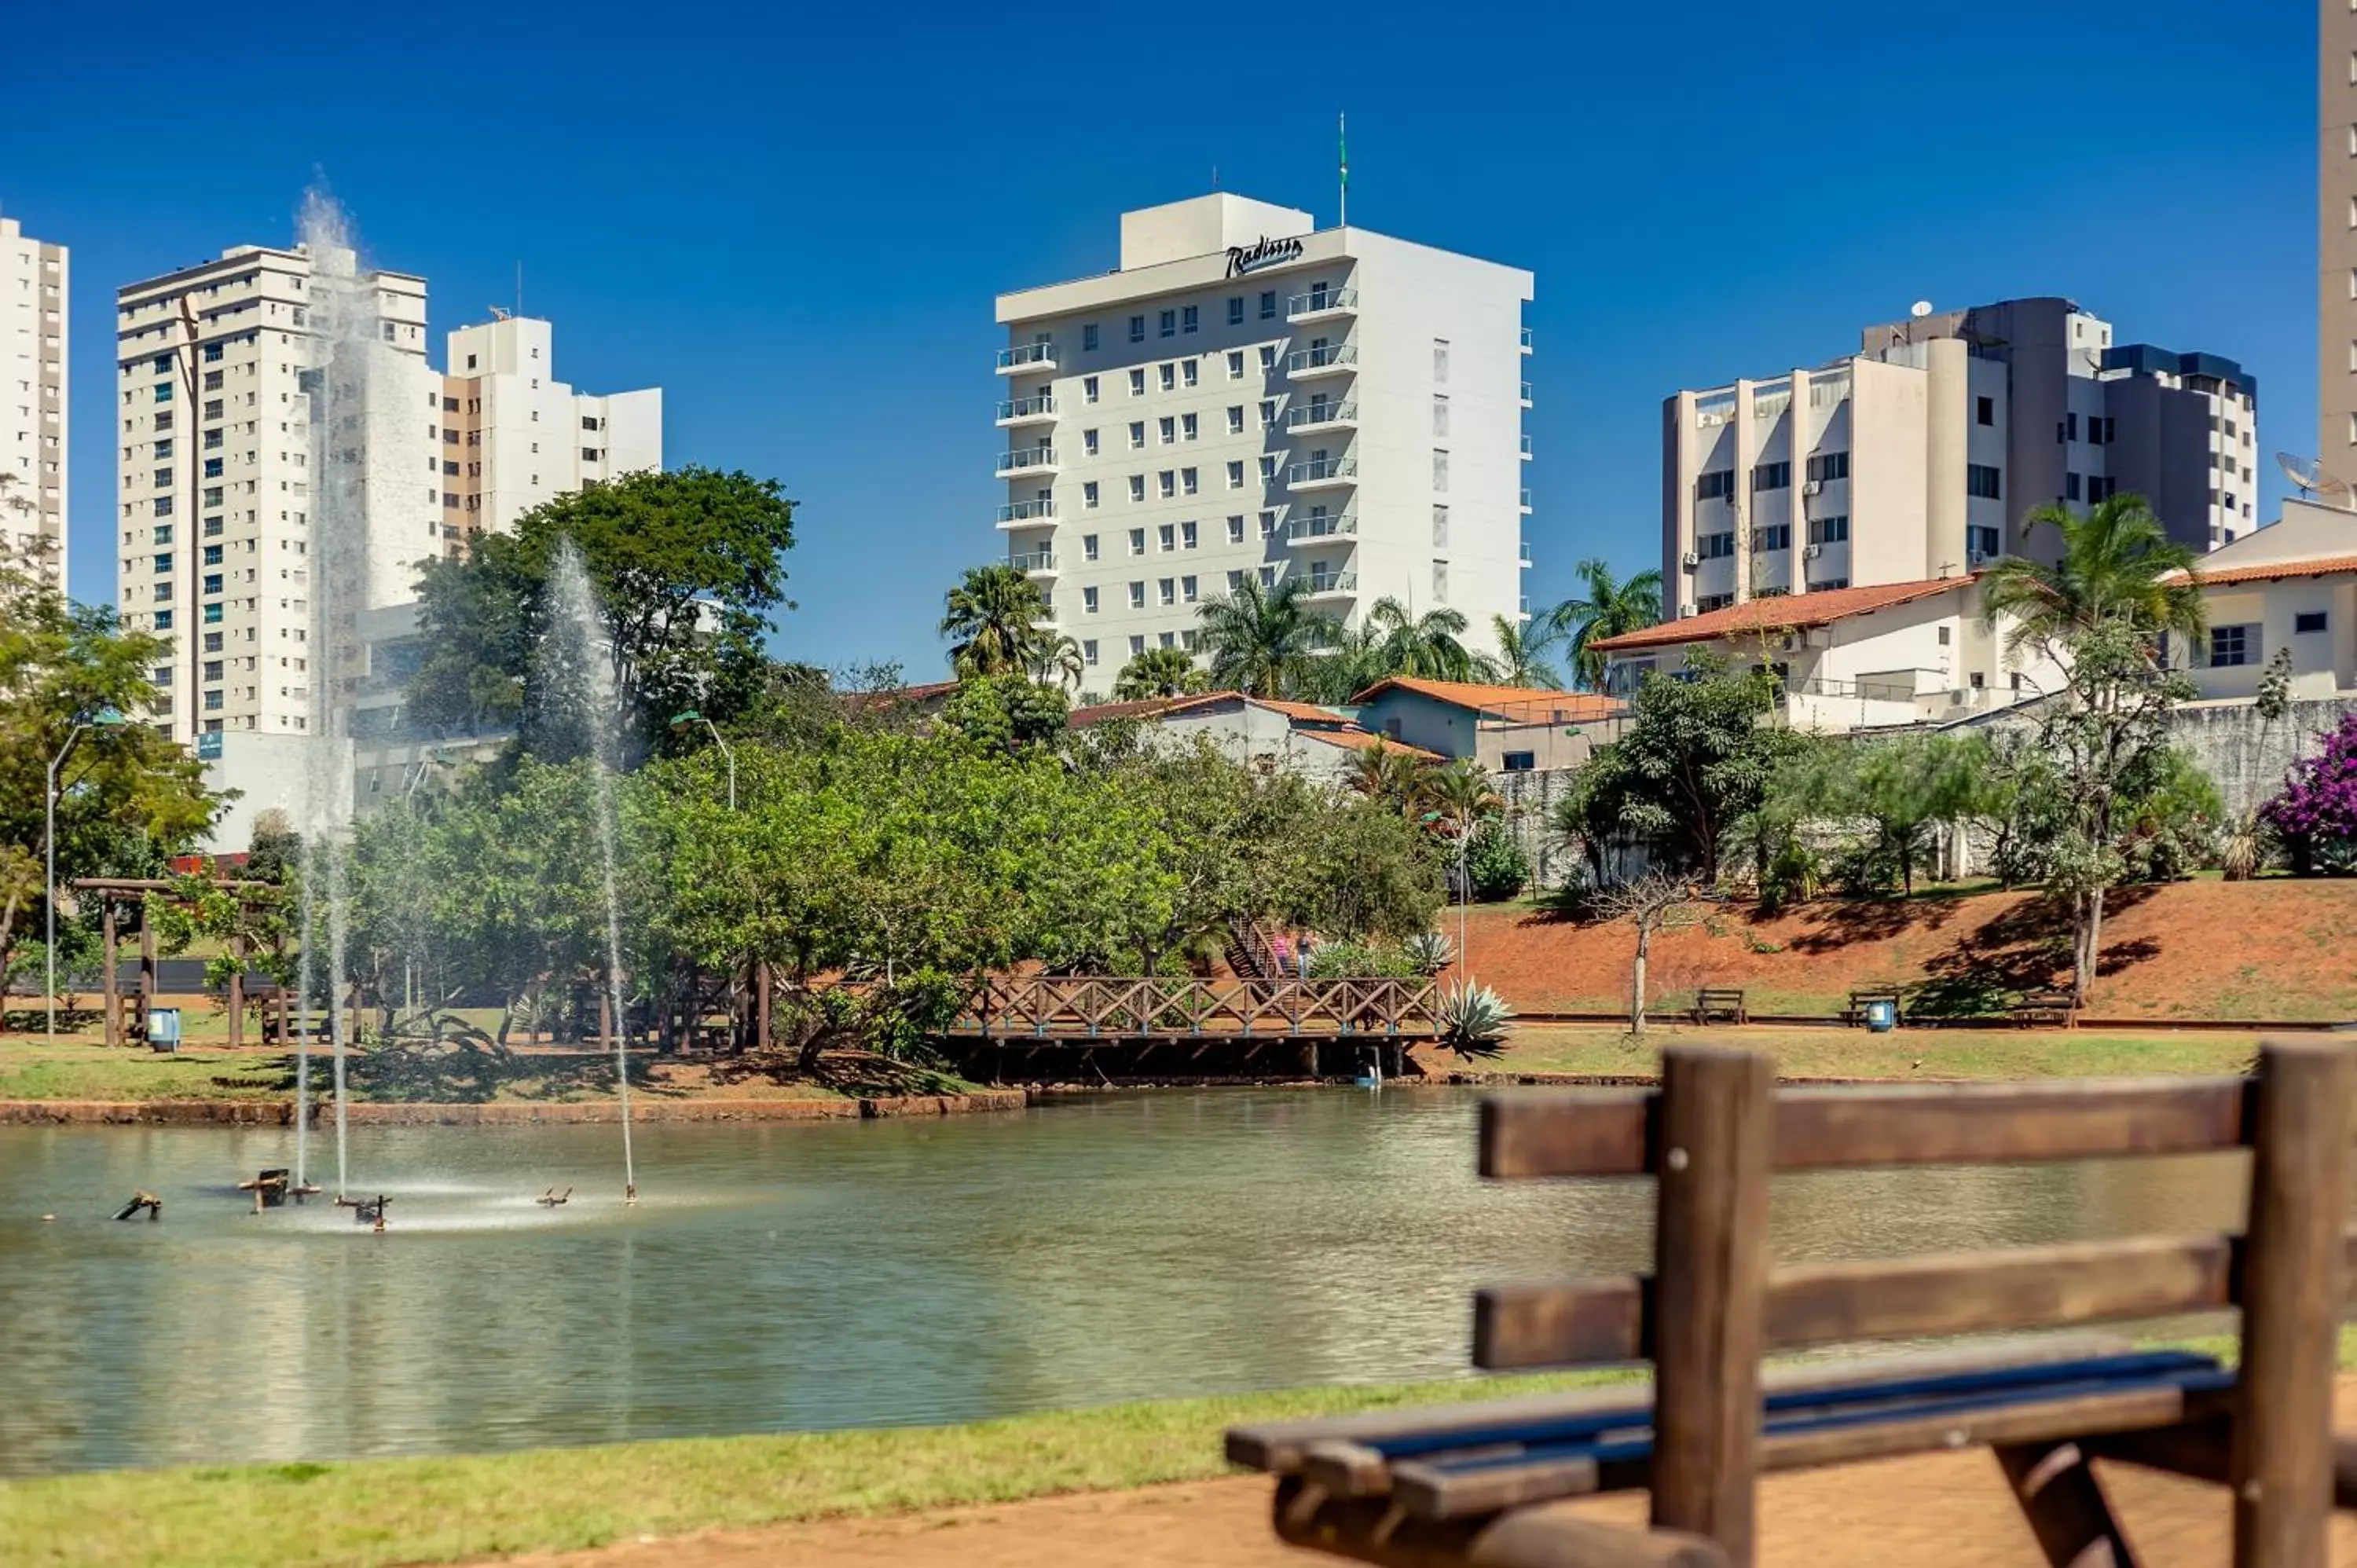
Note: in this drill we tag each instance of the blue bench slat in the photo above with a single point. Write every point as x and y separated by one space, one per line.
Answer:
2202 1375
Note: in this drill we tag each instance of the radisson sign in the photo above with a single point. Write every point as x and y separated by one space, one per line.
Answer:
1267 252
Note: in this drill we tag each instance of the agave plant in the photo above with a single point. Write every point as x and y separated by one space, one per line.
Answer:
1430 951
1473 1020
2243 849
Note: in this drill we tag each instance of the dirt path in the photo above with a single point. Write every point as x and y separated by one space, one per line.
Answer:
1939 1510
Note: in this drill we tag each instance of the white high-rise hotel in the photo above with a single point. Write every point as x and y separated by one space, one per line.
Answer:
34 290
1248 395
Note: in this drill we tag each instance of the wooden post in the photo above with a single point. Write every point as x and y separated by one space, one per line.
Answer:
1710 1273
2056 1490
237 989
761 988
146 973
108 981
2291 1293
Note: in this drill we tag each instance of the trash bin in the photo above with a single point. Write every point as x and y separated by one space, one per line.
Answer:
164 1029
1881 1015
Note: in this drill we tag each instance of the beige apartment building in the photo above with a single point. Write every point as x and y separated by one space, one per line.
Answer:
36 288
514 437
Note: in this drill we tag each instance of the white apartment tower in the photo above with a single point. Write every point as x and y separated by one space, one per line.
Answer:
35 290
1918 457
1248 395
514 437
216 499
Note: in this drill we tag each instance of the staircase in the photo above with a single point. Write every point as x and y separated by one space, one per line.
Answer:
1252 953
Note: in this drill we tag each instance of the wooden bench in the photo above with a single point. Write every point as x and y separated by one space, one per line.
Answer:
2038 1007
1488 1484
1854 1014
1719 1002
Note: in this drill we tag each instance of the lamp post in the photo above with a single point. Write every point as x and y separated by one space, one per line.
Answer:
105 718
693 716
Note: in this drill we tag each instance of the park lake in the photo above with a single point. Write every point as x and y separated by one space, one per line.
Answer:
782 1277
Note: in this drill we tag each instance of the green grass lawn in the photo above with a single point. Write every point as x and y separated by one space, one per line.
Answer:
85 1070
1902 1054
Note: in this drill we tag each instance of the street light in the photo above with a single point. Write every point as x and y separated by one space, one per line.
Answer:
693 718
105 718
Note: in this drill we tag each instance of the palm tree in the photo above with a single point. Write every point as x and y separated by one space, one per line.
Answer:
1604 607
1521 659
1158 672
1391 774
993 621
1057 658
1260 638
1430 645
2117 564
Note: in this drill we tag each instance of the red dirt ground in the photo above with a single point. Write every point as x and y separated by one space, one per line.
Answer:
2276 950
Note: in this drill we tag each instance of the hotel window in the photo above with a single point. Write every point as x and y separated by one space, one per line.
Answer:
1089 338
212 583
1235 581
1770 477
1188 372
1236 420
1236 527
1137 646
1137 382
1088 546
1137 435
1187 590
1268 353
1188 319
1439 413
1089 442
1166 638
1088 389
1709 602
1985 411
1236 470
1980 543
1187 536
1440 471
1267 412
1267 524
1186 427
1440 582
1829 529
1089 647
1187 482
1089 601
1982 481
1137 595
162 478
1137 487
2070 487
1235 364
1775 536
212 557
1169 324
1168 429
1440 359
1167 536
212 354
1236 311
1440 528
163 534
1268 469
1166 591
163 563
1828 465
1137 329
163 506
163 391
163 620
1089 494
1166 484
1137 541
1169 375
1712 486
1714 546
163 591
1268 305
2099 489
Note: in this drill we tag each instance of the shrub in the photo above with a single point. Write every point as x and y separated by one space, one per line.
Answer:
1473 1020
1352 961
1495 866
1430 951
2316 815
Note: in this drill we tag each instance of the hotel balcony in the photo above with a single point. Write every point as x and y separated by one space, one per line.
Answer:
1026 514
1039 410
1034 562
1526 502
1526 394
1027 460
1523 613
1332 585
1025 357
1526 339
1526 448
1323 304
1326 360
1323 473
1523 556
1322 415
1316 530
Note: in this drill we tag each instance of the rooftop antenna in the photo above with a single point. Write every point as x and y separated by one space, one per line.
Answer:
1342 157
2316 482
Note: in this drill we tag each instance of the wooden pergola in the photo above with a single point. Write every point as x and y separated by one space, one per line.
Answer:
114 891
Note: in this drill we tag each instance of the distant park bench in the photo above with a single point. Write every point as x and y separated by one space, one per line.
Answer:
1865 996
2038 1007
1489 1485
1719 1002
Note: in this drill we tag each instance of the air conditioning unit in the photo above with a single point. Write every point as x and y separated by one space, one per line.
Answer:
1812 488
1686 611
1690 561
1812 552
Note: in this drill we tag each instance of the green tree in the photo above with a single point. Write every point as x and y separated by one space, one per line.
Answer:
687 566
1430 646
1158 672
1007 713
992 619
1523 651
1390 776
1903 789
1056 661
1692 762
2104 610
1258 640
1604 607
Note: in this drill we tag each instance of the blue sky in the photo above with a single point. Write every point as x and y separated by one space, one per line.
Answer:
794 218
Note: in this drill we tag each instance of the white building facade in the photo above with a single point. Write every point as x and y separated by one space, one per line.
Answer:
35 289
514 437
215 496
1249 396
1918 457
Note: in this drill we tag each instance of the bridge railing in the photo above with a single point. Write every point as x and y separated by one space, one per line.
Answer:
1119 1008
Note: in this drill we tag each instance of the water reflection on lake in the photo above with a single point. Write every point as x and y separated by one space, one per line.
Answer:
861 1274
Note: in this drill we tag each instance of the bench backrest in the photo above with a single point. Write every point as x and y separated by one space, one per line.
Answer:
1717 1127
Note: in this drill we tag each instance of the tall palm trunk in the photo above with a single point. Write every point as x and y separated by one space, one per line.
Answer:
1636 982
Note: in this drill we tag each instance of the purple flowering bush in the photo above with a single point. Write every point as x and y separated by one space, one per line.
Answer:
2316 815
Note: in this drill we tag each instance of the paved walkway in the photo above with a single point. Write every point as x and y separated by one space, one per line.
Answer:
1939 1510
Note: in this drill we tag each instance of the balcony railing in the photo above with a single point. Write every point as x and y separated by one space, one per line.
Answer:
1526 339
1319 301
1526 394
1524 554
1027 458
1324 358
1309 416
1323 470
1019 410
1526 448
1026 511
1526 502
1311 528
1033 560
1027 357
1333 582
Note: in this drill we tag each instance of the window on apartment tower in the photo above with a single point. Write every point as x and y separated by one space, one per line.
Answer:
1137 329
1087 337
1236 530
1985 411
1268 305
1189 318
1236 311
1984 480
1169 324
1089 601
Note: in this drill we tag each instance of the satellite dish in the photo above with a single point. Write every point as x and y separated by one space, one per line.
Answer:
1920 309
2313 481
